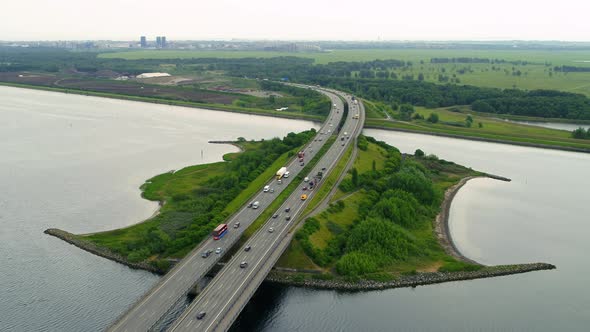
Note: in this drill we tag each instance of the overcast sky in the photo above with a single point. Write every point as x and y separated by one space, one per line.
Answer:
296 19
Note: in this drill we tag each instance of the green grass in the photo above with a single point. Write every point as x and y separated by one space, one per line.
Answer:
493 129
342 219
295 258
534 76
335 221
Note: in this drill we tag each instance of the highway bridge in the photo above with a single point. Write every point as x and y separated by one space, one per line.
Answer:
223 299
228 293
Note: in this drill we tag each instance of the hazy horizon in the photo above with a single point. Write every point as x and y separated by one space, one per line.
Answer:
374 20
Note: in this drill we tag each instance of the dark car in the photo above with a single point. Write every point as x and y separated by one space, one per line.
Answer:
287 209
201 314
275 216
205 254
302 164
288 218
323 168
247 248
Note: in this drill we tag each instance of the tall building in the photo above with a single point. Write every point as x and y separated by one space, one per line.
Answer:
143 42
158 42
163 41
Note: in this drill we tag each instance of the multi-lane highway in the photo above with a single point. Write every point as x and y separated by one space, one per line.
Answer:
172 288
220 303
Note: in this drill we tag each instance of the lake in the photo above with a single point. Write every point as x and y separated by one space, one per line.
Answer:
76 163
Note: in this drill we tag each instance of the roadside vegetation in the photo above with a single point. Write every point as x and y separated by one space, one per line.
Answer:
196 199
464 122
381 224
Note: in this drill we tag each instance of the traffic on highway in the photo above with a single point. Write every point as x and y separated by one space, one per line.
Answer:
176 284
218 305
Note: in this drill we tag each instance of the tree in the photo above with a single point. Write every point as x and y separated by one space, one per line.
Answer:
406 111
433 117
480 125
419 153
355 177
580 133
468 121
420 77
374 165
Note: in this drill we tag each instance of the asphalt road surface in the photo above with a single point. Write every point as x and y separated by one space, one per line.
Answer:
176 284
226 295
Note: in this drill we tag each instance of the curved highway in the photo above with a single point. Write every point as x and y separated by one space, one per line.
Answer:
175 285
220 303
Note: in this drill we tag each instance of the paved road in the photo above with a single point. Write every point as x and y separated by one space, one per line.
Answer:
230 290
177 282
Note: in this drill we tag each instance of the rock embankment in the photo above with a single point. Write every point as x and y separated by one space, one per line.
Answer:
94 249
408 280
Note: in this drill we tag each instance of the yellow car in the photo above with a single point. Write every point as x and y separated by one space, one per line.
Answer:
303 197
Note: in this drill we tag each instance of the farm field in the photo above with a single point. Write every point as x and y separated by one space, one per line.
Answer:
537 73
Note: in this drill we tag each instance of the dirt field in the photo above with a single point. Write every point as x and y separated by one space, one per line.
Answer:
120 87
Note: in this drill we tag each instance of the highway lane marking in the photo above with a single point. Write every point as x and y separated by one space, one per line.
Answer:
255 239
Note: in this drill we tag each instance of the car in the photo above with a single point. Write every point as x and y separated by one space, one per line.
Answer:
304 188
205 254
320 139
302 164
323 168
342 144
275 216
247 248
237 224
218 250
201 314
250 204
272 190
306 179
288 218
279 181
243 264
303 197
270 230
288 209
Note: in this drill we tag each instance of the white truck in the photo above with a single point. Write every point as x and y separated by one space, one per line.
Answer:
255 205
266 189
281 172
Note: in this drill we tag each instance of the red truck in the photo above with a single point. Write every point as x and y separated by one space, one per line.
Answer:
300 155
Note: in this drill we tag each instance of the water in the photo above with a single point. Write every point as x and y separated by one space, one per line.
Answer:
542 215
76 163
555 125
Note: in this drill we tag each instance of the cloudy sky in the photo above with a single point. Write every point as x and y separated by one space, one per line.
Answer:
296 19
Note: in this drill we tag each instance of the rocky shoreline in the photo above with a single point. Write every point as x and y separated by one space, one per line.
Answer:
407 280
94 249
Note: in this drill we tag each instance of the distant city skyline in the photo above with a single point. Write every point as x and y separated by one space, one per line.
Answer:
371 20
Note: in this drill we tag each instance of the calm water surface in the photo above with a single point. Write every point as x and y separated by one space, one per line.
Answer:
542 215
555 125
76 163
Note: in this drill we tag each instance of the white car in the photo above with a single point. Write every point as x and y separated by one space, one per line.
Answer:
218 250
270 230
